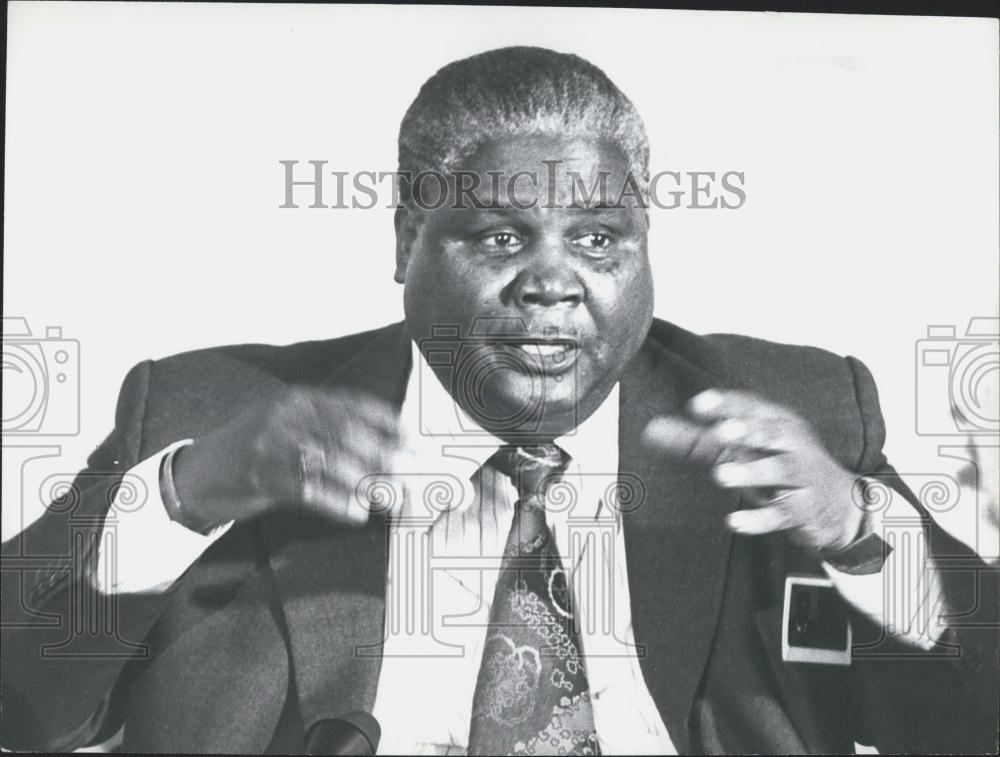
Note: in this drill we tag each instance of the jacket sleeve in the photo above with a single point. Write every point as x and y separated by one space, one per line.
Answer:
944 699
65 644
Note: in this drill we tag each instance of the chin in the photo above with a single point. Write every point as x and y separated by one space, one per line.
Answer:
532 407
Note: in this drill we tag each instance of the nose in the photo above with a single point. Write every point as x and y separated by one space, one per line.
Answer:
548 280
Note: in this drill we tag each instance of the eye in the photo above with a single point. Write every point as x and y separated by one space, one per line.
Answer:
501 241
595 240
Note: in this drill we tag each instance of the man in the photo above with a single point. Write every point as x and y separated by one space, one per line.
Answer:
266 584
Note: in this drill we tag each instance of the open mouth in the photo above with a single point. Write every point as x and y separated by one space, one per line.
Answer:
544 356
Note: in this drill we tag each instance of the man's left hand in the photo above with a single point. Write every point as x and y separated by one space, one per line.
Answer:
775 456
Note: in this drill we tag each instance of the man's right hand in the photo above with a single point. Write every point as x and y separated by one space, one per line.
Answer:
303 448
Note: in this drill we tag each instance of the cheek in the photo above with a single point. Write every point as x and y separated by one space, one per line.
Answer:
469 284
454 283
622 305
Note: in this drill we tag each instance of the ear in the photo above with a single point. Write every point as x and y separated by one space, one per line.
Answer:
407 224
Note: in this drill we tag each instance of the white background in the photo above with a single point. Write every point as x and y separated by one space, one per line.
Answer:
143 184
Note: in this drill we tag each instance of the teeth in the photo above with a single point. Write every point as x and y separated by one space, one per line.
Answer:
550 349
544 350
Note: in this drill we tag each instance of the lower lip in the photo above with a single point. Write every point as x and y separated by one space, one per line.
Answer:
547 361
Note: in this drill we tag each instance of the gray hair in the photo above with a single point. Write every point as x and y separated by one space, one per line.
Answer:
515 91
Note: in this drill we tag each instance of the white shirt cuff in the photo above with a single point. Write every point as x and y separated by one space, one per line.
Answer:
141 549
905 596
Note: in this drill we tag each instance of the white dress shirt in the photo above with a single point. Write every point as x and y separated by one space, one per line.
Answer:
429 672
446 542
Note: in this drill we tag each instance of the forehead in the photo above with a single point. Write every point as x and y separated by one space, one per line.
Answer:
527 167
518 153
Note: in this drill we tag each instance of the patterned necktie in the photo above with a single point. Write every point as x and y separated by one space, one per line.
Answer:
531 694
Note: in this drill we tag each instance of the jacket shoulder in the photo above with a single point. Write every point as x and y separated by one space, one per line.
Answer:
834 393
305 362
752 363
191 392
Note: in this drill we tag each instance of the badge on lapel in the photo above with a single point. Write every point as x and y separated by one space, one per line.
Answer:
814 624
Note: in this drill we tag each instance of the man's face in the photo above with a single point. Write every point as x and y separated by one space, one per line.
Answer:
550 302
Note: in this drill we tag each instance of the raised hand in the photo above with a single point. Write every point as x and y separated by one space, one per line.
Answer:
776 457
303 448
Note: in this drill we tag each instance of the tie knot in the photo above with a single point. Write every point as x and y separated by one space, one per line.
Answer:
532 468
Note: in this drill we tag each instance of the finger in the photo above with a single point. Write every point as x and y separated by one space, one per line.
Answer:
336 413
766 496
366 492
335 492
781 471
763 521
347 434
368 449
685 440
360 454
374 412
719 404
768 435
334 460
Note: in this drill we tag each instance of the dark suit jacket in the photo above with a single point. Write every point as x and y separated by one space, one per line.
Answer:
277 624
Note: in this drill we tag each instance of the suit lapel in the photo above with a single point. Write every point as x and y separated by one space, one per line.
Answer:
330 581
676 542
